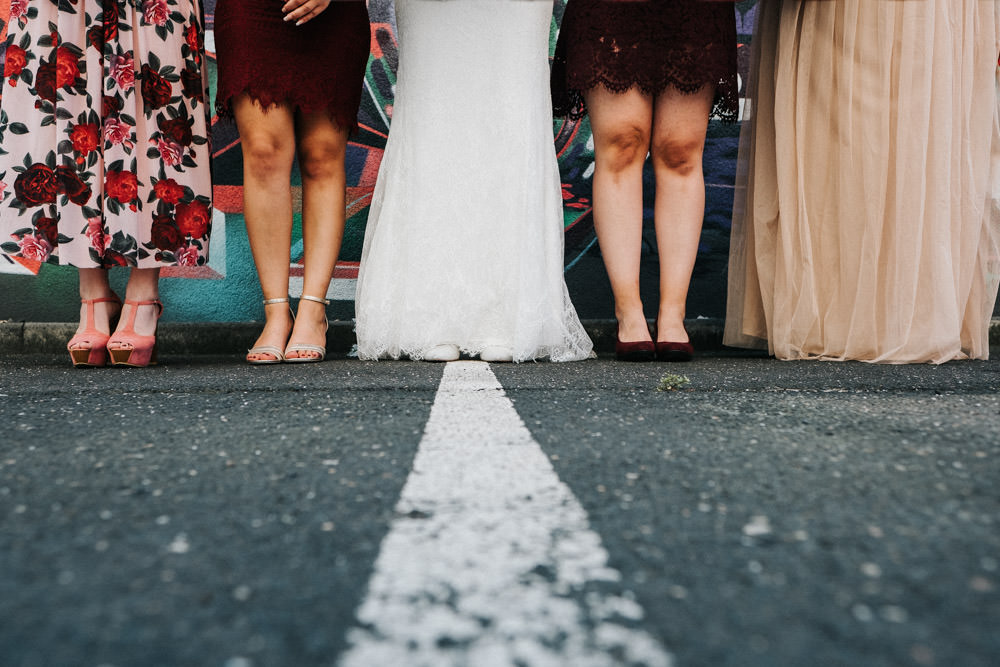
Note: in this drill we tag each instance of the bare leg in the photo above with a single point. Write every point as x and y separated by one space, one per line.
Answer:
621 125
679 126
268 139
322 146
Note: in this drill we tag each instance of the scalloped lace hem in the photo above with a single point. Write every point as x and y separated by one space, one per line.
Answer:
268 100
725 106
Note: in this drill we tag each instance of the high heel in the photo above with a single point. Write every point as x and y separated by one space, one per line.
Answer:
668 351
303 347
641 350
141 350
276 352
88 347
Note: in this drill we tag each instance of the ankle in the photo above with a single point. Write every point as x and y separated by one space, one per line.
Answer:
633 327
96 292
671 315
281 321
142 296
311 311
671 331
670 321
632 314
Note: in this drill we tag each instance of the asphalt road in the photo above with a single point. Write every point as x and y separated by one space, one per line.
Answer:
209 513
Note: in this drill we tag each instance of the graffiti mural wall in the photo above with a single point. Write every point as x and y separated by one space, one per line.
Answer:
226 290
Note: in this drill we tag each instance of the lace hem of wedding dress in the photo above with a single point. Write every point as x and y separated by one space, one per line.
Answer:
556 337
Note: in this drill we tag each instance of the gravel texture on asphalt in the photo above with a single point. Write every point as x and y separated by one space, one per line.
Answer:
209 513
198 512
790 513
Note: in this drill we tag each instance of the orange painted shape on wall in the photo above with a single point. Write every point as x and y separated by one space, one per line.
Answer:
228 198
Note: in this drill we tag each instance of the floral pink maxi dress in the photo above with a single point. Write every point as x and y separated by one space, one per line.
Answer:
104 134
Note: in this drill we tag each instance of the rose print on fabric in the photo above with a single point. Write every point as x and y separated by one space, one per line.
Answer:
121 187
123 71
85 138
36 185
119 133
156 88
16 64
155 12
72 186
104 156
21 11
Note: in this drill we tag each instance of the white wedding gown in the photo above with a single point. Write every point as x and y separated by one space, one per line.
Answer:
464 243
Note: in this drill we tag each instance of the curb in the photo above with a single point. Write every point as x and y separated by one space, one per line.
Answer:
234 337
182 338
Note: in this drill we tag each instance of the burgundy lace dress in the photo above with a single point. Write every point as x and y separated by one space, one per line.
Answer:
317 66
649 44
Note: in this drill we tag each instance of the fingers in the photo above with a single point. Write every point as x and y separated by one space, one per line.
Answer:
305 17
302 11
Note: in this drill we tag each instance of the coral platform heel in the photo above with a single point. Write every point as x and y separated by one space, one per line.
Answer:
88 347
134 349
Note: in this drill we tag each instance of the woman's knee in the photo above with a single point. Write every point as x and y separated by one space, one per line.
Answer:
267 155
681 156
320 160
623 147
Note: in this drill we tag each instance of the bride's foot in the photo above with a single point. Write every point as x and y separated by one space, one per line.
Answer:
270 345
442 353
496 353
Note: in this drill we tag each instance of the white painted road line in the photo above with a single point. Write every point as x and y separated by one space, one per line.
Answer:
491 561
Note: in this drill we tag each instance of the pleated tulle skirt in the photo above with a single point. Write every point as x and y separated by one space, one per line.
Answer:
867 222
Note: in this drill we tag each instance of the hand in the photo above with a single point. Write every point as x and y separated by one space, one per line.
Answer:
302 11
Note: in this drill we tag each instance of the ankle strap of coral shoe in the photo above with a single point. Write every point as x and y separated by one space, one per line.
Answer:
103 299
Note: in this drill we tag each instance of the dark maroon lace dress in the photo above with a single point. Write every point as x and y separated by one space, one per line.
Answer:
649 44
313 67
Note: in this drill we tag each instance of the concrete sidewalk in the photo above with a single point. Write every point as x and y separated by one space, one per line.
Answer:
229 337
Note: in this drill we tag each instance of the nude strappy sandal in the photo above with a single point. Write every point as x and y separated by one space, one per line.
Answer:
302 347
276 352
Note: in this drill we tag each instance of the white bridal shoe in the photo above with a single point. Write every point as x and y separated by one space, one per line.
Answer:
496 354
442 353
